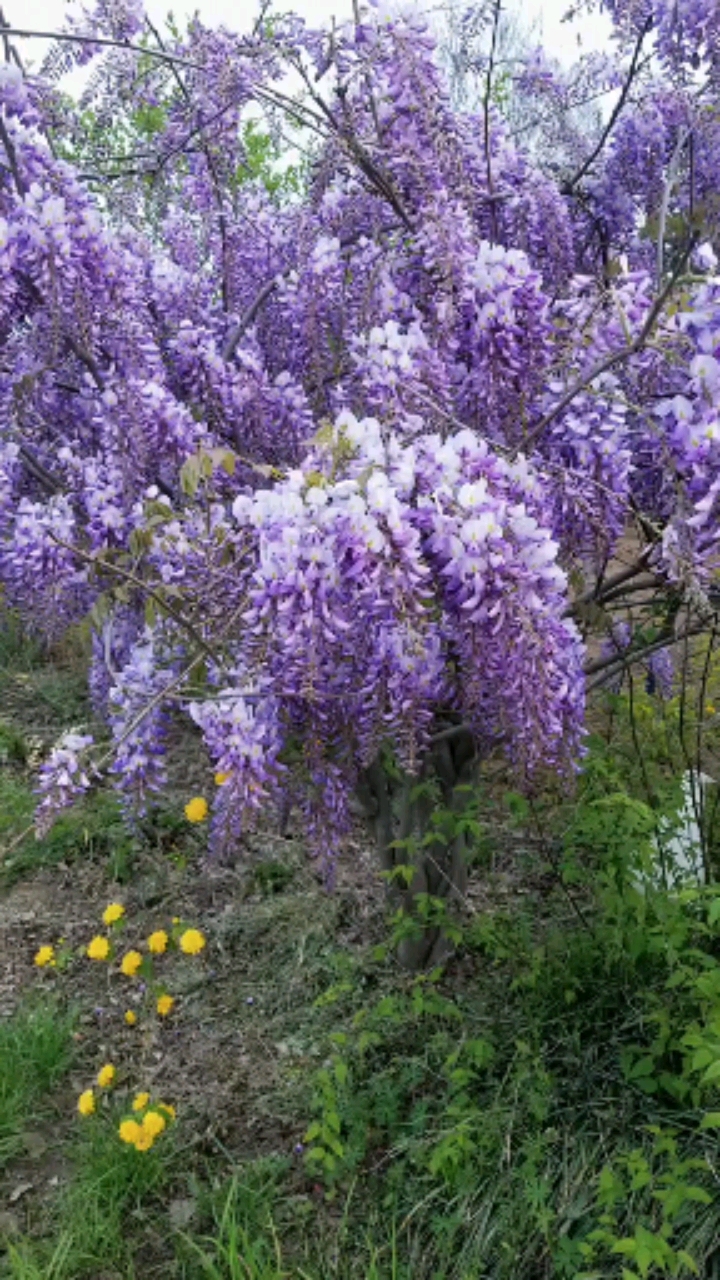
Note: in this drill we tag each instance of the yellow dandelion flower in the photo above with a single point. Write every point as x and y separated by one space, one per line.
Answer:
164 1005
45 955
131 1018
115 911
710 709
169 1111
157 942
86 1103
222 778
176 919
129 1131
144 1141
130 963
140 1101
99 948
196 810
153 1123
192 941
106 1075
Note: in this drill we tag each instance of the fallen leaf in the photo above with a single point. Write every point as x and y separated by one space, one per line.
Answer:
21 1189
181 1213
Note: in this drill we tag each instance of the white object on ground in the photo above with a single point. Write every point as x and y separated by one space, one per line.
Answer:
679 861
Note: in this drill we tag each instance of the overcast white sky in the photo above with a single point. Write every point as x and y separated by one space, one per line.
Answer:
564 40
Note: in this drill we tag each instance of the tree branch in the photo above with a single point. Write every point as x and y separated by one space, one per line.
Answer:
73 38
48 481
486 114
96 562
603 669
569 186
615 357
247 318
17 177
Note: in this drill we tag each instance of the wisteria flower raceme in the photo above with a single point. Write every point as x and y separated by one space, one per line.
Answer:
357 441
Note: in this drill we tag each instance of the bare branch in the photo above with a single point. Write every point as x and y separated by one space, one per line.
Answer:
247 318
73 38
48 481
570 185
603 669
97 562
486 113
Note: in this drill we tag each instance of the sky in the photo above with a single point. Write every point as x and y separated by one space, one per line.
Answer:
564 40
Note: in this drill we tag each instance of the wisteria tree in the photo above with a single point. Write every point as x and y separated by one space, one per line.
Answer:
339 468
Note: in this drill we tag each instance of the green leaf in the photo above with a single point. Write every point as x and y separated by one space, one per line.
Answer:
628 1245
711 1120
714 911
341 1071
713 1072
698 1194
643 1067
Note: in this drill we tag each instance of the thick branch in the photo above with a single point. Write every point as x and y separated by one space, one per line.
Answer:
48 481
599 589
247 318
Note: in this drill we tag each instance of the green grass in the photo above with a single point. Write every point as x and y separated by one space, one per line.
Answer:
109 1214
18 650
36 1050
92 829
114 1200
242 1241
23 1265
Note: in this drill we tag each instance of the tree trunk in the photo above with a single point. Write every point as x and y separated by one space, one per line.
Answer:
413 820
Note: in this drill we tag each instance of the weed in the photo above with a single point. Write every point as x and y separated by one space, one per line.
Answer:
243 1243
36 1050
113 1195
92 829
